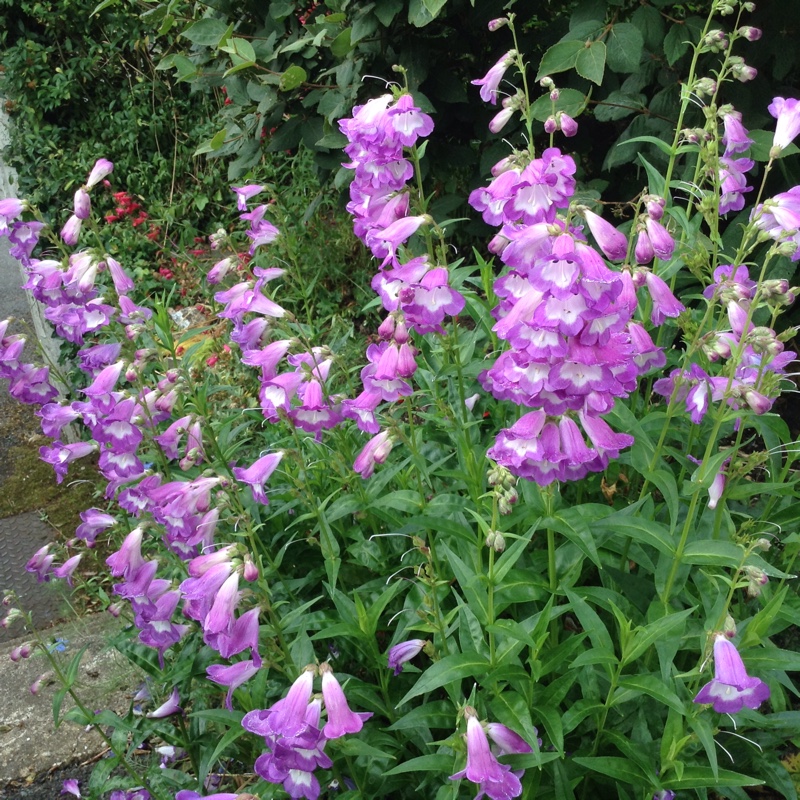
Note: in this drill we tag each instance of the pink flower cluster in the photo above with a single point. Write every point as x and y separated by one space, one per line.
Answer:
568 319
497 781
761 353
415 292
295 736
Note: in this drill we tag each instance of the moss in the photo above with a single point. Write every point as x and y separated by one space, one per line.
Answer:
28 484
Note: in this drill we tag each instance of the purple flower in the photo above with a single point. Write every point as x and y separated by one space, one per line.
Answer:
568 125
71 231
231 676
341 719
612 242
10 210
40 563
665 304
121 280
405 651
101 169
735 136
493 778
731 688
787 112
733 183
375 452
170 707
67 568
70 786
257 474
490 82
244 193
82 204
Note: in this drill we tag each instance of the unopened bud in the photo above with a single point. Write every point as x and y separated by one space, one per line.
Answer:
763 544
547 83
715 41
788 248
750 33
705 86
550 124
250 571
554 95
496 24
496 541
729 626
749 7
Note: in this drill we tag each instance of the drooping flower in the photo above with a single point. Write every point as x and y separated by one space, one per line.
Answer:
70 786
405 651
257 474
787 112
731 688
341 720
171 706
494 779
101 169
490 82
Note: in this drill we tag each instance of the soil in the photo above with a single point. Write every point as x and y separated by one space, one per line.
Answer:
48 785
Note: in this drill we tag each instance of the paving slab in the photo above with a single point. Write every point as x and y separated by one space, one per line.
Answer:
29 742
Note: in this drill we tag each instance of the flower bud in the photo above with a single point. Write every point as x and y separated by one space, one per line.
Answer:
729 626
547 83
715 41
763 544
554 95
706 86
750 33
496 24
654 206
550 124
496 541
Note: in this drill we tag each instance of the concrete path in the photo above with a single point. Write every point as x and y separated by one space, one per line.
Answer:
29 742
22 535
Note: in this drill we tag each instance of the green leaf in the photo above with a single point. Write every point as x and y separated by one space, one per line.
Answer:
591 62
292 78
570 101
713 553
705 777
625 44
437 714
438 762
241 48
280 9
620 769
591 622
434 6
662 628
341 45
762 144
651 685
238 67
103 6
184 68
558 58
588 29
618 105
676 43
772 658
448 670
387 10
207 32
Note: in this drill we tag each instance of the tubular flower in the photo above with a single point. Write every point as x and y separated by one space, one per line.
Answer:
494 779
405 651
787 112
731 688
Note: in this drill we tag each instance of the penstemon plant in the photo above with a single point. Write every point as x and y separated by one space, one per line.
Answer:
560 565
